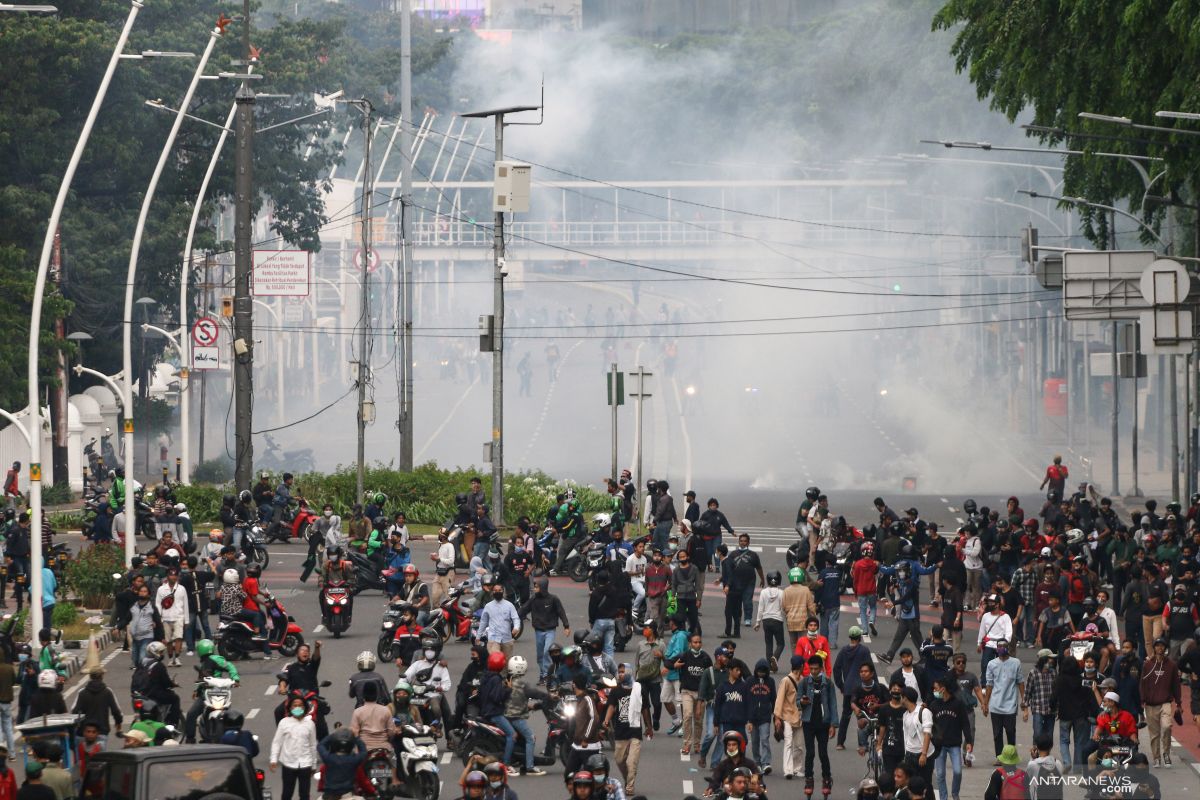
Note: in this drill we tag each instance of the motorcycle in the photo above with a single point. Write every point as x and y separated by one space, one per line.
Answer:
418 770
300 520
379 771
481 736
236 638
1079 644
254 547
797 551
387 631
95 464
277 460
107 454
218 693
576 563
148 710
427 699
1123 750
339 606
457 609
56 557
367 574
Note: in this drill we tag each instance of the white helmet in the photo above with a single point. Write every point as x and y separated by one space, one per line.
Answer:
172 553
602 520
1074 536
231 576
517 666
156 650
47 679
180 508
365 660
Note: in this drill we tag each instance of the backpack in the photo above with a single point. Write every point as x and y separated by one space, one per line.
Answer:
140 680
1013 784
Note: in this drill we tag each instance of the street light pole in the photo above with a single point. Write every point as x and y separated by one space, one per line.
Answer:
131 278
406 250
243 311
35 325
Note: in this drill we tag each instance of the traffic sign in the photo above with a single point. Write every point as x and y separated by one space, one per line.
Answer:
206 358
372 263
205 331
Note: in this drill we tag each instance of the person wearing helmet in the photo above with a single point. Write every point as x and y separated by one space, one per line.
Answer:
494 692
366 675
280 500
48 698
342 754
497 782
254 606
605 785
236 735
401 707
906 599
499 622
798 605
474 782
582 786
211 664
428 668
334 571
598 662
810 499
569 524
733 756
516 710
375 505
570 667
153 681
412 590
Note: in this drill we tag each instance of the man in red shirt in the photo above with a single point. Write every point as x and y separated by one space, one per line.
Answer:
864 575
1113 721
814 644
1056 477
251 607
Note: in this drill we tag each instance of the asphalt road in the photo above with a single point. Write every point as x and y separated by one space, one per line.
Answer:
664 773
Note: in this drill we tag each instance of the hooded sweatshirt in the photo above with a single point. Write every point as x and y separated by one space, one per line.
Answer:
731 703
762 694
96 701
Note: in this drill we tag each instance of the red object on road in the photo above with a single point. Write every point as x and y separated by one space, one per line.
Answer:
1054 397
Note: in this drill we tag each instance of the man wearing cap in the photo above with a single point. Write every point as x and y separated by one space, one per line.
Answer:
1161 696
845 676
1039 693
136 738
33 788
995 625
1112 721
1004 691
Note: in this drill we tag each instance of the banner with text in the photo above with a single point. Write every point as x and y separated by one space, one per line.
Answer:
281 273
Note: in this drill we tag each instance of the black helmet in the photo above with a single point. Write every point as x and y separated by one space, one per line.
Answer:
898 528
429 642
234 718
969 506
774 578
120 472
254 570
245 496
812 493
596 763
594 641
10 513
907 551
1090 604
460 498
555 651
1173 507
380 522
1196 499
580 637
341 741
734 736
228 500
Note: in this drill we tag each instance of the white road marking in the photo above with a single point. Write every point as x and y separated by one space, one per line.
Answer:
687 787
446 756
252 713
946 500
684 758
271 690
69 693
960 520
952 508
781 549
450 416
755 548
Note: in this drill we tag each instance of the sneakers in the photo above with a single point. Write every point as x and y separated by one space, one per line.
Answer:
269 657
675 726
514 772
766 770
884 657
873 631
1157 763
190 653
1166 761
535 771
774 664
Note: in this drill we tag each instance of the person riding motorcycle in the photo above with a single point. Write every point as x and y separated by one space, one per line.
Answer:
212 664
280 500
569 524
243 518
438 678
407 638
156 683
336 571
256 604
116 492
403 711
572 665
377 538
415 593
366 674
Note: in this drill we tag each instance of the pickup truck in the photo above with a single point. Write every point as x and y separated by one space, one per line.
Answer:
186 772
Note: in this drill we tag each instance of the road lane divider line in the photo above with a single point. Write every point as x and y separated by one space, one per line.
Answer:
252 713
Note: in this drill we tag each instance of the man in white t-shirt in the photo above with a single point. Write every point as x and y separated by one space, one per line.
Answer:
917 725
635 567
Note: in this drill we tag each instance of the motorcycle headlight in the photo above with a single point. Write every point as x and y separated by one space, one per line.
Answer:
569 711
342 602
389 625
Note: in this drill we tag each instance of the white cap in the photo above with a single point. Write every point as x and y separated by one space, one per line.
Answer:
1116 698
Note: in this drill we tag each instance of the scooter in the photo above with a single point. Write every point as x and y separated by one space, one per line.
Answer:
95 465
254 547
387 632
107 453
481 736
236 638
277 460
379 770
301 520
366 572
218 693
457 609
339 607
418 769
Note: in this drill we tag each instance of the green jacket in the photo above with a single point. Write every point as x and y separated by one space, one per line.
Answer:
712 677
116 495
218 666
48 659
374 541
1122 551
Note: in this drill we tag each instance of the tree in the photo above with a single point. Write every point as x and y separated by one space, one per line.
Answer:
1119 58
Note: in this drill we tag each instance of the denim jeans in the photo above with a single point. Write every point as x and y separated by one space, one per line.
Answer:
510 735
6 725
543 641
608 629
1043 723
866 611
709 736
829 625
1029 625
748 604
137 652
1080 731
760 743
639 592
662 532
522 726
954 755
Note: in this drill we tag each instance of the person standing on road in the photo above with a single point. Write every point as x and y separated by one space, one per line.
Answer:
952 611
295 748
586 731
95 701
917 725
973 561
657 579
798 605
172 604
995 626
649 670
1161 695
787 718
443 567
1004 691
818 714
143 624
545 611
1039 693
952 732
762 694
770 618
664 514
671 691
688 584
846 669
864 576
629 719
907 600
691 666
829 597
710 679
738 574
500 622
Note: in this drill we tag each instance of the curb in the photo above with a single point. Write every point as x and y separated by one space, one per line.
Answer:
75 651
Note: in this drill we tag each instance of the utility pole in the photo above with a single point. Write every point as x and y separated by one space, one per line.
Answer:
1116 393
496 329
364 366
243 303
616 397
641 396
406 250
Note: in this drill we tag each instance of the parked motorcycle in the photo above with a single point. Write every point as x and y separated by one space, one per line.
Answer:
417 772
107 453
277 460
218 696
95 464
254 547
339 607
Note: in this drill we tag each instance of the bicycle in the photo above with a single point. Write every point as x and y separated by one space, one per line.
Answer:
874 757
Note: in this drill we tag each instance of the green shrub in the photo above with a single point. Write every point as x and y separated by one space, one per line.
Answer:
64 614
89 575
57 495
214 470
66 520
203 502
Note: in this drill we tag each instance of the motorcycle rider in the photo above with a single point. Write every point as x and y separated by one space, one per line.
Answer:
571 667
366 675
262 496
407 637
156 683
569 524
243 517
301 679
376 539
414 592
439 676
229 520
468 685
212 664
597 662
336 571
256 604
116 492
280 500
397 559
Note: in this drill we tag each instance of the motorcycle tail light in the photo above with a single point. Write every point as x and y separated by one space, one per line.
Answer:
137 705
259 776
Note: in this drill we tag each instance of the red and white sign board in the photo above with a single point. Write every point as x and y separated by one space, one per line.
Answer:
205 331
281 273
372 261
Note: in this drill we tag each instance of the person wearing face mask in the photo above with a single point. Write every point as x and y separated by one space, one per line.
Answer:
814 644
302 677
544 612
439 677
294 746
1039 693
995 626
656 580
500 623
1076 705
143 625
1004 691
687 583
951 732
818 714
1160 689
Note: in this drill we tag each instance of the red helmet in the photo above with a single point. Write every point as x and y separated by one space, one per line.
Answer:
1031 523
411 569
496 661
868 549
583 778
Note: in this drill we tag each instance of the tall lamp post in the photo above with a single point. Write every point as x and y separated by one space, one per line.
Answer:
131 278
35 323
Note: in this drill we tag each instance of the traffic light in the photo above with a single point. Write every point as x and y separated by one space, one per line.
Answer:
227 306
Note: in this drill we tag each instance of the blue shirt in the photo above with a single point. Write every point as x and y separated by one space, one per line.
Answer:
1003 675
498 620
830 592
49 586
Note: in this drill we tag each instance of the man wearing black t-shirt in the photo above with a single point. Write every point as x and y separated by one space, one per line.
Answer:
867 698
628 716
891 728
